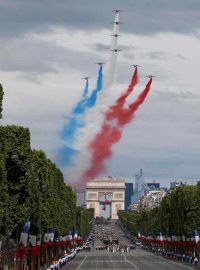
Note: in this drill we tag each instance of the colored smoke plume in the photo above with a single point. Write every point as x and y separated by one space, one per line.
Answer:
76 120
86 89
110 70
110 133
113 111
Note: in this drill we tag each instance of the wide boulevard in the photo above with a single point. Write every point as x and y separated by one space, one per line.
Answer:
136 259
104 252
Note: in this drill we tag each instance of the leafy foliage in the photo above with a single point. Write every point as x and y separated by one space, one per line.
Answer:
32 188
178 214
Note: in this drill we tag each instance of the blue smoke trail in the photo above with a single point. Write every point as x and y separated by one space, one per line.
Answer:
86 89
91 101
66 155
76 120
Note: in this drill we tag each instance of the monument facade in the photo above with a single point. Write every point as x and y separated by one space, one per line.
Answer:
106 195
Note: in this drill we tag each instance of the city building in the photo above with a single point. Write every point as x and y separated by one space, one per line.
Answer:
106 195
174 184
80 194
148 201
128 194
152 199
154 186
140 187
139 182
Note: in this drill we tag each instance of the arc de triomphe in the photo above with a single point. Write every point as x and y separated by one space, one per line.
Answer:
106 195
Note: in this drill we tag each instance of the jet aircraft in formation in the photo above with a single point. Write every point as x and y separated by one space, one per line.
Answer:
116 35
150 76
135 66
100 63
117 10
85 78
115 50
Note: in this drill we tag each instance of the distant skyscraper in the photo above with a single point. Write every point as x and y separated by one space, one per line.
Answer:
80 193
128 194
174 184
153 186
139 182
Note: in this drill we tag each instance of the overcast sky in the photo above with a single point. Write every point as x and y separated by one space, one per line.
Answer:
47 46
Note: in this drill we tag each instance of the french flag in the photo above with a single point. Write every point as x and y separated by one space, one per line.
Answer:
161 237
196 235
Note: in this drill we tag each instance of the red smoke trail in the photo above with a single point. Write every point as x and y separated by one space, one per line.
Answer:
114 110
110 133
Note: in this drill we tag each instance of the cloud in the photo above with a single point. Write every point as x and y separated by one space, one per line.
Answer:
176 97
128 55
162 140
47 46
35 58
104 48
101 47
180 56
141 17
157 55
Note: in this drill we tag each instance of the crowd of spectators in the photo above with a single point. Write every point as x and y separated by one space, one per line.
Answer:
184 258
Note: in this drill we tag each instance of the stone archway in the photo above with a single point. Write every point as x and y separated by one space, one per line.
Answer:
95 196
105 201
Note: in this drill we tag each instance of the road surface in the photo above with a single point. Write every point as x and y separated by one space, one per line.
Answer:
137 259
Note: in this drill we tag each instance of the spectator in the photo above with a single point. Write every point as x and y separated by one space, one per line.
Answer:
195 261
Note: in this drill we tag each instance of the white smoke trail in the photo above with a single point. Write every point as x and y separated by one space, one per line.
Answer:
94 116
111 65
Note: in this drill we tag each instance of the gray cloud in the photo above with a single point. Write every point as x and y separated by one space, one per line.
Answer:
162 139
175 97
128 55
104 48
35 58
142 17
180 56
101 47
157 55
27 56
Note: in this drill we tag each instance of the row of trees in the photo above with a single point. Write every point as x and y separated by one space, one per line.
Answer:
32 188
177 214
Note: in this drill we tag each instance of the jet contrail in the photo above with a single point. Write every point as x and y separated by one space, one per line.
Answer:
76 120
109 74
113 111
95 114
69 130
101 146
91 101
86 89
111 65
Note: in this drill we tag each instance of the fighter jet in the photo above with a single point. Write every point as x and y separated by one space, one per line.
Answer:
116 50
117 23
117 10
135 66
100 63
85 78
115 35
150 76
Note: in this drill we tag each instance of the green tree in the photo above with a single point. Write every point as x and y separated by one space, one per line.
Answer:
177 214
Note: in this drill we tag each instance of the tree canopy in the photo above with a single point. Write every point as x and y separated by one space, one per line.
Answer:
32 188
177 214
